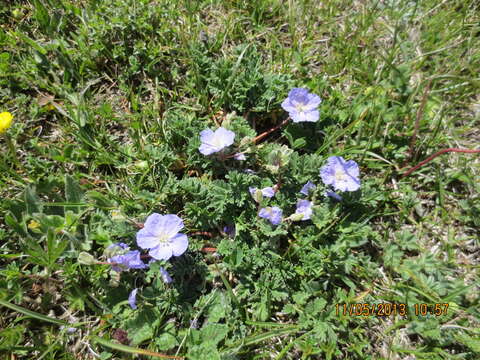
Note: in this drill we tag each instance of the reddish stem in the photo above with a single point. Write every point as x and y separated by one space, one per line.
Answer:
205 233
431 157
417 120
137 224
208 249
262 135
105 263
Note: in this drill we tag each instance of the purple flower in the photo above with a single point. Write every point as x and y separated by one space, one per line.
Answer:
69 330
117 245
129 260
213 142
266 192
304 207
240 156
160 234
132 299
274 214
165 276
342 175
302 105
229 230
194 324
333 195
116 249
309 186
249 171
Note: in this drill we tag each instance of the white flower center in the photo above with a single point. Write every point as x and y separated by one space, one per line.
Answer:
340 175
163 238
300 107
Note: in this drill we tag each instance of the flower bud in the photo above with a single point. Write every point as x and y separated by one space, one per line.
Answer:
86 259
295 217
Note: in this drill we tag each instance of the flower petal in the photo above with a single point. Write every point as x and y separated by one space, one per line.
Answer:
276 217
309 186
178 244
313 101
352 168
312 116
333 195
206 149
170 225
165 276
208 146
146 240
288 106
327 174
224 136
240 157
206 136
268 192
132 299
161 252
151 224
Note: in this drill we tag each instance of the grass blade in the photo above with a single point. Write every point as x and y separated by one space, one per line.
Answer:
132 350
34 314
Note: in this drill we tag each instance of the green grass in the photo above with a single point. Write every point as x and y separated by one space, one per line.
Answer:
109 98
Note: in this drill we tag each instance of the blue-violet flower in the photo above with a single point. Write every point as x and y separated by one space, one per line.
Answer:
333 195
215 141
304 207
302 105
266 192
161 235
342 175
274 214
129 260
165 276
229 230
132 299
309 186
240 156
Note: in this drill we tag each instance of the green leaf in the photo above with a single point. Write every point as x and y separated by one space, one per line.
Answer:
20 228
34 314
131 350
473 344
32 202
73 192
166 341
299 143
54 248
31 42
86 259
142 327
214 333
11 337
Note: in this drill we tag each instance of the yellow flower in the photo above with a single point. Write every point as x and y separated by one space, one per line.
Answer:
33 225
5 121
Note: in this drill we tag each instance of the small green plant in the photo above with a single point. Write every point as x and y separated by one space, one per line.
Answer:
170 188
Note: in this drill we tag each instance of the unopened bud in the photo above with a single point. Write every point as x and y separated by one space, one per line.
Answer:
86 259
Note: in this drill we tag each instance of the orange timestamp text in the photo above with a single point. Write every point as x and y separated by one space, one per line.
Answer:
387 309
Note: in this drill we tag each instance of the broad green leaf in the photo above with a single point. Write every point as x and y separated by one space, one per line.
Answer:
32 202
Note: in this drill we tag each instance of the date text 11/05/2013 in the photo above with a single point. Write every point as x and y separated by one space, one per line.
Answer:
387 309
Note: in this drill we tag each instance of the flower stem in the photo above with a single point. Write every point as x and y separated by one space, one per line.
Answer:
205 233
11 147
431 157
105 263
269 131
